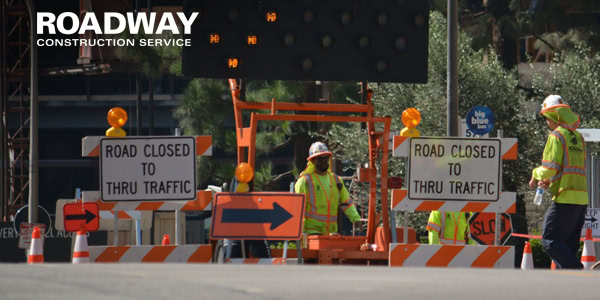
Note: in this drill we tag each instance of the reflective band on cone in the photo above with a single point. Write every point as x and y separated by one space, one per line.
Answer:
588 257
81 253
36 251
527 261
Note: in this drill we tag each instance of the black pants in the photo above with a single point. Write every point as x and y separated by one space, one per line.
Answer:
562 231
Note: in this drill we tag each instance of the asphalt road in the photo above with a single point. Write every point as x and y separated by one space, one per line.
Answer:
198 281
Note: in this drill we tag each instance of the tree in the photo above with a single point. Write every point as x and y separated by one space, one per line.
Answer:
480 83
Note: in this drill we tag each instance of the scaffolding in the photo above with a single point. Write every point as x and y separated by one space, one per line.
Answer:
14 81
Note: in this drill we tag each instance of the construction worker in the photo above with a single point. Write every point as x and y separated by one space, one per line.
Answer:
563 173
449 227
325 193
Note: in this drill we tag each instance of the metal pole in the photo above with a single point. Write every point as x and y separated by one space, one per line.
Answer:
177 233
452 114
405 229
150 106
138 104
138 232
594 190
3 100
138 89
498 221
177 211
116 229
150 90
33 119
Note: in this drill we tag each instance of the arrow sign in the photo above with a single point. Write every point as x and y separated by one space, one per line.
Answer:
88 216
248 216
275 216
81 215
592 218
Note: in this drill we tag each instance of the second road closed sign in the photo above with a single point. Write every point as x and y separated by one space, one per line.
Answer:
454 169
153 168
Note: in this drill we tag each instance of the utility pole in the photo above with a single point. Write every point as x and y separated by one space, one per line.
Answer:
150 90
452 77
3 144
138 88
33 119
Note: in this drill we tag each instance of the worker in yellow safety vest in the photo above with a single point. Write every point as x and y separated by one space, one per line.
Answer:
449 227
325 193
563 172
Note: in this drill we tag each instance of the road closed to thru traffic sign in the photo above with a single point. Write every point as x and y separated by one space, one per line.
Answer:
152 168
454 169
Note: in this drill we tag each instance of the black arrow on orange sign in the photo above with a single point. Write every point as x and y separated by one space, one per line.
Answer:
88 216
276 216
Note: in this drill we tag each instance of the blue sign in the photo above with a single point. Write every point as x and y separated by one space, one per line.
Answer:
480 120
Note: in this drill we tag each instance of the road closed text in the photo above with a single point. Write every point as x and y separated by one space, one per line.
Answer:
148 169
454 169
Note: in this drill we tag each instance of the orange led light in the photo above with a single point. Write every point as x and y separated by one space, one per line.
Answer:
215 38
233 63
252 40
271 16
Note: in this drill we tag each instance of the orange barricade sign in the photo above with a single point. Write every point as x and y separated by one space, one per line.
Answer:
483 228
269 216
81 215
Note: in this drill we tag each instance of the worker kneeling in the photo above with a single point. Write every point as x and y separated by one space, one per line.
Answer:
449 227
325 193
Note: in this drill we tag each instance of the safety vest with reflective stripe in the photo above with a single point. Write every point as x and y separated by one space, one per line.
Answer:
563 163
450 227
322 202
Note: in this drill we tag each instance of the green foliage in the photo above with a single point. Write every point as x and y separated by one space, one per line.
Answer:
152 61
480 83
540 258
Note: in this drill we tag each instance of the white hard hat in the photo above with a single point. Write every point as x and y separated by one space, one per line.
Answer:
317 149
553 101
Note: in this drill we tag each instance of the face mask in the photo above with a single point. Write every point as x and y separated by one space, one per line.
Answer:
322 164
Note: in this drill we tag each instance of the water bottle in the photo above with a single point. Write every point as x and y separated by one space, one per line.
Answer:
538 196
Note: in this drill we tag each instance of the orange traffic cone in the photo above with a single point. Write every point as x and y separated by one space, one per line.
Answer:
36 251
553 265
588 257
81 253
527 261
166 241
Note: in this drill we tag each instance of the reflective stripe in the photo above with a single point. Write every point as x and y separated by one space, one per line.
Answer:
551 165
563 141
321 218
311 193
574 170
451 241
434 226
443 225
347 203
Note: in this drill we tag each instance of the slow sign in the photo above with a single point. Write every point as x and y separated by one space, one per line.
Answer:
483 228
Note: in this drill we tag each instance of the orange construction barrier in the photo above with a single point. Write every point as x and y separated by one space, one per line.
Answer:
81 253
588 257
36 250
527 261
